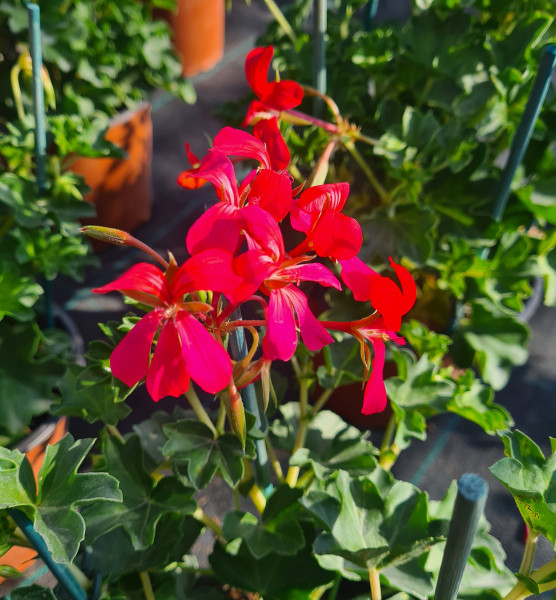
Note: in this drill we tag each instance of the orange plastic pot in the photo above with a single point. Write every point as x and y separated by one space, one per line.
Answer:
198 31
34 446
121 188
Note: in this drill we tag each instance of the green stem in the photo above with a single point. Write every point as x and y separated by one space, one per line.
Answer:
382 193
293 472
388 435
322 400
529 552
334 591
374 582
520 591
203 518
281 19
16 90
221 420
113 431
274 460
146 585
199 411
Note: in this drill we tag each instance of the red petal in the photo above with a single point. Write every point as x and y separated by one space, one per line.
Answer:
142 277
374 400
314 335
314 199
218 227
358 276
255 111
409 289
257 64
235 142
217 168
130 360
263 232
272 192
280 339
253 266
283 95
310 272
205 359
268 132
167 375
208 270
337 236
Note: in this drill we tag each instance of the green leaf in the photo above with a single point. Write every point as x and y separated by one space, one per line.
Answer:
61 490
17 483
114 554
402 229
275 577
32 592
330 443
144 501
531 479
192 444
9 572
499 342
18 294
371 525
90 393
29 374
279 532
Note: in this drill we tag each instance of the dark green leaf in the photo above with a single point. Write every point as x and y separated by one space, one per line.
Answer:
192 444
144 502
530 478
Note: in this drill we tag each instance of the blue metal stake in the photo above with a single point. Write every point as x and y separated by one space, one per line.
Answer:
525 129
61 572
33 13
468 508
249 396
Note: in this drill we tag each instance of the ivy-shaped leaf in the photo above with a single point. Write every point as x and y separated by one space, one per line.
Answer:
330 443
192 444
370 528
274 577
279 532
52 507
531 479
144 501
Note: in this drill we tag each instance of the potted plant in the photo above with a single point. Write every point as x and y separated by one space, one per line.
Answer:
325 509
104 59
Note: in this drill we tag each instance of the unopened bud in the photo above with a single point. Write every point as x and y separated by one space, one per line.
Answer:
236 413
107 234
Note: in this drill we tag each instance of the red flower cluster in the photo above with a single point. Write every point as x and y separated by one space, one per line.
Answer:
237 251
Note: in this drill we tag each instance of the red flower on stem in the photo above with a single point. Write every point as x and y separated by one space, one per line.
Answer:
392 302
185 349
267 266
274 95
329 232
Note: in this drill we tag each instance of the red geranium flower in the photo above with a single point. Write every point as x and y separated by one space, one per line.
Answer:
185 348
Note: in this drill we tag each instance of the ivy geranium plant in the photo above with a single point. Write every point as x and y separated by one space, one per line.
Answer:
323 508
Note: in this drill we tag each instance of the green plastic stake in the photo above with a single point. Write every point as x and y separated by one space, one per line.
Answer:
525 129
33 13
319 53
61 572
34 17
238 348
468 508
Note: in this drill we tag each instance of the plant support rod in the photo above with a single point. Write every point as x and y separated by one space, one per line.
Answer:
468 508
525 129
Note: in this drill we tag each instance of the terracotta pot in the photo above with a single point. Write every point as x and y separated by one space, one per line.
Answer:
198 30
34 446
121 189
